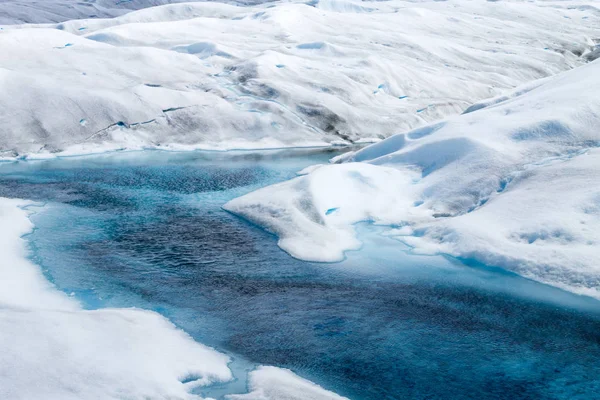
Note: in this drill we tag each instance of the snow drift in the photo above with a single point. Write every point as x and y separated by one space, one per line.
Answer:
218 76
270 383
50 11
515 183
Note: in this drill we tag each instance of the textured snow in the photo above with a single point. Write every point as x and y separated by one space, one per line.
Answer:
514 184
270 383
219 76
51 11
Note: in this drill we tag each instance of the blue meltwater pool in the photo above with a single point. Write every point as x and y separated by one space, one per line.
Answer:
147 230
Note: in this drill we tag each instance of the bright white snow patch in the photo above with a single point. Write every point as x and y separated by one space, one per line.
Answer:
312 214
270 383
218 76
515 184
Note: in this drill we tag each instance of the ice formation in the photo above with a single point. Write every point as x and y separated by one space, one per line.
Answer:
219 76
513 183
270 383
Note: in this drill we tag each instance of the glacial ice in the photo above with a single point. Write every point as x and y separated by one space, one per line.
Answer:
514 183
270 383
51 11
270 75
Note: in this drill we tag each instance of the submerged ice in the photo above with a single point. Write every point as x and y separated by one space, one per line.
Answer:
71 353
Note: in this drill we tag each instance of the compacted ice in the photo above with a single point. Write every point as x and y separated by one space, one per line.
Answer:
215 75
513 182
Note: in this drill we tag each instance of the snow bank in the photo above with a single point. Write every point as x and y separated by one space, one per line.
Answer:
270 383
312 214
546 226
514 184
218 76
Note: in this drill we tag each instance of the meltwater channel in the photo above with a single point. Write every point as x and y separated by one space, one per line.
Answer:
146 229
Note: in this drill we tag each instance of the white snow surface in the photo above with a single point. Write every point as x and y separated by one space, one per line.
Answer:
270 383
218 76
52 349
51 11
514 184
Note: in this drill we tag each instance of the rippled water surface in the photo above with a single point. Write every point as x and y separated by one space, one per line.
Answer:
147 230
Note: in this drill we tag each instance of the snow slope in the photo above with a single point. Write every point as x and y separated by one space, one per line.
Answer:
515 183
50 348
269 383
52 11
218 76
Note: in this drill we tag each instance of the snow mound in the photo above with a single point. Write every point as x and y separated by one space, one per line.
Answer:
313 217
512 184
221 76
270 383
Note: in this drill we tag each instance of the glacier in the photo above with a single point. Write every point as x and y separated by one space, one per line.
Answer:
224 76
511 183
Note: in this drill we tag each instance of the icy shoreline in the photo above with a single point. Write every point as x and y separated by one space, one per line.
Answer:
513 184
72 353
99 150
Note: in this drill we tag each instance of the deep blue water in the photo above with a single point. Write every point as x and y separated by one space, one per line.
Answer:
147 230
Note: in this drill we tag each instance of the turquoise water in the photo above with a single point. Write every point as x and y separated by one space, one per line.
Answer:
147 230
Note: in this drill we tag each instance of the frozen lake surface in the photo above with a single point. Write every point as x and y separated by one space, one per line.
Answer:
147 230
